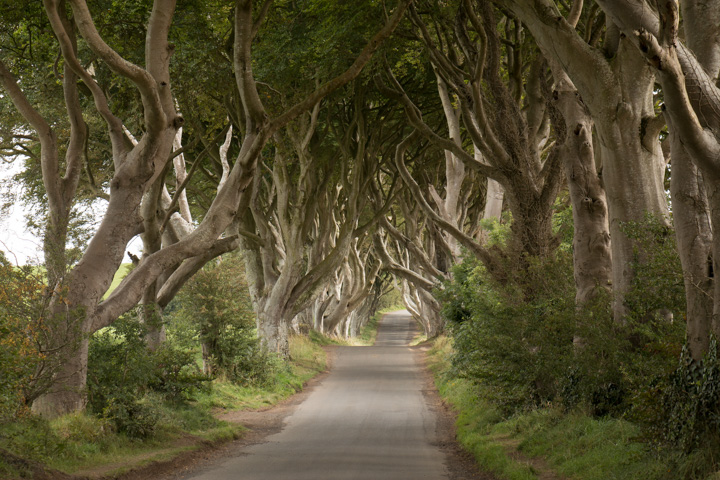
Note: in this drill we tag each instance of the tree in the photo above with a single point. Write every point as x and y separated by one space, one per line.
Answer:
77 307
215 306
305 233
506 122
617 89
688 75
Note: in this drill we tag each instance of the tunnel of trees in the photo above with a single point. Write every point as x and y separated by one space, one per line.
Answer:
534 178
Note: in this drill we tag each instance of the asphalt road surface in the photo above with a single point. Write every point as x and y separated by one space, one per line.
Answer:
367 420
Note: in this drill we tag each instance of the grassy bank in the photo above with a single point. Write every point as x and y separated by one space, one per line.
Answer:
365 337
546 440
81 443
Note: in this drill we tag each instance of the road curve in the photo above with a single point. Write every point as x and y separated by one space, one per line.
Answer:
367 420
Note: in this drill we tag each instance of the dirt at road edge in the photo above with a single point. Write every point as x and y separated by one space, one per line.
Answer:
459 462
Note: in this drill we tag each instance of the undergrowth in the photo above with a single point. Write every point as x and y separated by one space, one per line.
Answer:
574 444
81 442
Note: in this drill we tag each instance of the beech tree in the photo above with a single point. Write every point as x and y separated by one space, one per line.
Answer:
284 217
411 247
617 88
592 257
688 73
76 308
506 122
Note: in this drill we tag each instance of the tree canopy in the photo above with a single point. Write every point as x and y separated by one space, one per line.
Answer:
341 147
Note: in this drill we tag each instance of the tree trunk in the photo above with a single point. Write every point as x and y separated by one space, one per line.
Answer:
592 261
493 200
152 317
619 96
691 215
67 393
697 246
273 331
633 164
206 358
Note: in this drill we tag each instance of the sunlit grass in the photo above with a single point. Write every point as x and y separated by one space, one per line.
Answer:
119 276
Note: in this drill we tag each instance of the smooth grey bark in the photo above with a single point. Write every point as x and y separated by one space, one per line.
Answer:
693 216
454 169
509 129
592 256
494 197
78 302
618 94
692 100
693 231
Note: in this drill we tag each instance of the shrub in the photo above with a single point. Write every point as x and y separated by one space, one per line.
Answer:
175 374
119 364
527 343
122 371
21 329
215 310
133 417
516 349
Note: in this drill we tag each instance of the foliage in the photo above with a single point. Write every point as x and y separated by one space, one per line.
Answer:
515 348
135 418
215 310
81 441
574 444
118 393
658 287
313 39
307 359
390 299
21 329
527 343
690 406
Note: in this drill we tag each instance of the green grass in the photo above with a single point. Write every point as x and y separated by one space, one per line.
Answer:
321 339
81 443
572 444
119 276
366 336
368 333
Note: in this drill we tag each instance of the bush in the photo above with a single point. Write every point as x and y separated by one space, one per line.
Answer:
122 371
119 364
516 349
214 309
525 341
133 417
21 328
175 374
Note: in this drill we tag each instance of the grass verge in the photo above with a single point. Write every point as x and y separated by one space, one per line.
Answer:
365 338
545 441
84 444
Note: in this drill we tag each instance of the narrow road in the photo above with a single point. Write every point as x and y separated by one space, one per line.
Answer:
366 421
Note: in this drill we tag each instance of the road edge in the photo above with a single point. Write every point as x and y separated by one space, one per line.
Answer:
459 463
